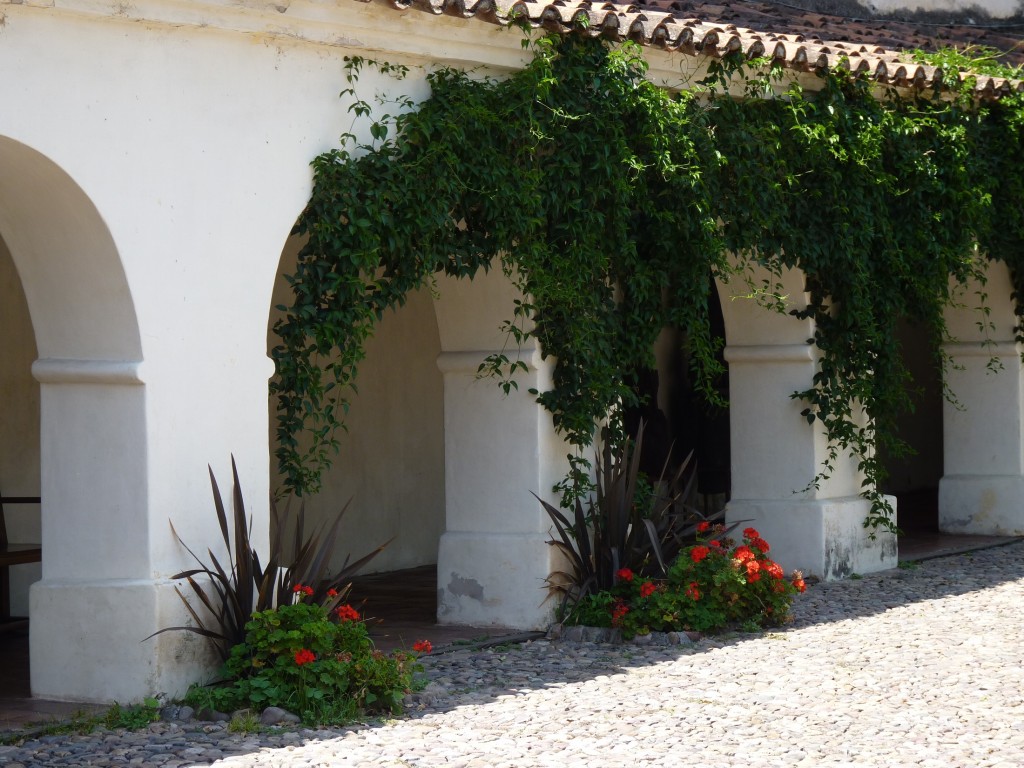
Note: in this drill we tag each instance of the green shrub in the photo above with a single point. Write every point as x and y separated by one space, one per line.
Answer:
626 523
712 585
232 593
317 663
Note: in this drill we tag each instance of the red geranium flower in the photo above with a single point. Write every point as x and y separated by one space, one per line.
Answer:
752 566
347 613
773 569
743 553
699 552
715 544
800 585
299 588
422 646
761 544
305 656
619 611
703 526
751 533
332 593
647 589
625 574
692 591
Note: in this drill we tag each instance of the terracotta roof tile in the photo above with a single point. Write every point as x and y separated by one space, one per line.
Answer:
798 38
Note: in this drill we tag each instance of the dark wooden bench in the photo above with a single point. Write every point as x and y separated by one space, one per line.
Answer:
13 554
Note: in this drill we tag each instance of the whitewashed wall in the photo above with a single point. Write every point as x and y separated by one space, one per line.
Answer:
153 158
149 177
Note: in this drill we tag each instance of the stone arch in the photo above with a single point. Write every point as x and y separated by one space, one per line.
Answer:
88 368
390 463
70 269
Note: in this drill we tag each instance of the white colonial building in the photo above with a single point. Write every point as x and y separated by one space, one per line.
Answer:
154 156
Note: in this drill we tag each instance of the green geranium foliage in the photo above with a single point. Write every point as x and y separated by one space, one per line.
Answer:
319 665
615 204
713 585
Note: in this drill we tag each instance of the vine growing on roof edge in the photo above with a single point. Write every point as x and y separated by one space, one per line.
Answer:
615 204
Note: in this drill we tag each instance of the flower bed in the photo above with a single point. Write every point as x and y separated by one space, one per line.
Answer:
713 585
313 659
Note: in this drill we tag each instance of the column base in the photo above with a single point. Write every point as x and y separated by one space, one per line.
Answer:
824 538
87 642
991 505
494 579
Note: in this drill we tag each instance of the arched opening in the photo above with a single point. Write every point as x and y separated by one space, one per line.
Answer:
19 472
69 324
389 468
682 419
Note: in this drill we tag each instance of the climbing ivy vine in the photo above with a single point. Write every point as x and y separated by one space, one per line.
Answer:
615 204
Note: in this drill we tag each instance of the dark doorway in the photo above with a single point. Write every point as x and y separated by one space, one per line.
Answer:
681 419
914 479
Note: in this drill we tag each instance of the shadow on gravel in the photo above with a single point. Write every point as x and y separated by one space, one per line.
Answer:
471 676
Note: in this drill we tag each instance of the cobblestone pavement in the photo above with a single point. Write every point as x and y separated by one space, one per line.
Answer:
915 667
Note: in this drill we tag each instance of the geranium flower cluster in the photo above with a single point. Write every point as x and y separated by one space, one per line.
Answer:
300 657
753 584
713 584
347 613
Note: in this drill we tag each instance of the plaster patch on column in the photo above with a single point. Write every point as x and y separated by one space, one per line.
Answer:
839 550
986 505
889 548
838 560
470 588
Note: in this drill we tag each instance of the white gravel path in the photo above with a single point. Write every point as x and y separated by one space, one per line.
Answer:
918 667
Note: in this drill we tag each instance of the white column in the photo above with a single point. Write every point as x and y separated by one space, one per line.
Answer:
97 599
982 489
776 454
493 556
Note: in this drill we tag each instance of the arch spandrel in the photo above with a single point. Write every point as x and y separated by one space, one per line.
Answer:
69 265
